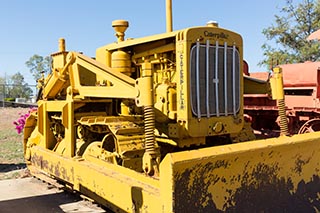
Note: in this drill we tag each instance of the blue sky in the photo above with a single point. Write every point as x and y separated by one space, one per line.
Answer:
34 26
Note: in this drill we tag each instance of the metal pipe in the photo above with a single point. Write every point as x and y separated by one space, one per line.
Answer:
169 15
234 79
217 78
198 79
225 80
207 77
62 45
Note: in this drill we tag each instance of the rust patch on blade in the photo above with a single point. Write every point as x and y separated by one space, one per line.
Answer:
299 163
191 188
264 191
261 189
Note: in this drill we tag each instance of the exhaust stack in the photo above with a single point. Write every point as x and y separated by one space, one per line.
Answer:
169 15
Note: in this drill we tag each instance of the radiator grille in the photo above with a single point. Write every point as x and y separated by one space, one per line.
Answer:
215 80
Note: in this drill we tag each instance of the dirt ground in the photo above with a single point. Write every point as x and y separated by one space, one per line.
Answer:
11 149
30 195
19 191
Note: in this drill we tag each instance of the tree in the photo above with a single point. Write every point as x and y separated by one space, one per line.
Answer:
2 80
290 33
18 89
2 88
38 64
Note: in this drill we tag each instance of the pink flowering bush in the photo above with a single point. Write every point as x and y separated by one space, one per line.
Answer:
22 120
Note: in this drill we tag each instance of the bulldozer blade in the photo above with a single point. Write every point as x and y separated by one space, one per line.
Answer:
272 175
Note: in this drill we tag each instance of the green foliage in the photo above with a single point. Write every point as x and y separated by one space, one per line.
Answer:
289 33
9 99
18 88
2 80
11 150
2 88
38 64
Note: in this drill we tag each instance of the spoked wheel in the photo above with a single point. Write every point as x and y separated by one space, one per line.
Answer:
312 125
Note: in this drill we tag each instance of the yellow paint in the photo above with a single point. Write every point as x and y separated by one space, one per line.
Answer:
150 125
277 84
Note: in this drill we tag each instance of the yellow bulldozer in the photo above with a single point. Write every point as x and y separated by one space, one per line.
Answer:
156 124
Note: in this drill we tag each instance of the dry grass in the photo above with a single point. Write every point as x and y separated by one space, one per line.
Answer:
11 148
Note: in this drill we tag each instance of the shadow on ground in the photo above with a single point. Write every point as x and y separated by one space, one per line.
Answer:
11 167
35 204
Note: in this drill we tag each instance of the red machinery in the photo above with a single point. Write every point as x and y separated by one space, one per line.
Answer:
302 98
